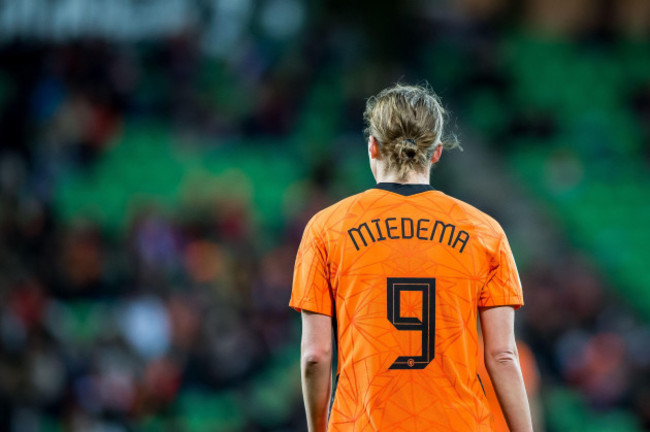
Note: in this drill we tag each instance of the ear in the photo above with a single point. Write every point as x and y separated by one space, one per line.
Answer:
436 154
373 147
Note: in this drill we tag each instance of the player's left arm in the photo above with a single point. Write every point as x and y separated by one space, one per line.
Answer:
316 368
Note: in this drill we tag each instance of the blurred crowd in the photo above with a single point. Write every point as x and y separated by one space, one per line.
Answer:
114 331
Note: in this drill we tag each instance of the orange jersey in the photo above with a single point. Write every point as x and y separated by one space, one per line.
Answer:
403 269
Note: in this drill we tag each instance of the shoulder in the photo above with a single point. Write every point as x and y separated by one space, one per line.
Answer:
472 216
335 214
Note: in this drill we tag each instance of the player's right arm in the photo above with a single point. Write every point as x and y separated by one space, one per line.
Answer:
502 364
311 295
316 368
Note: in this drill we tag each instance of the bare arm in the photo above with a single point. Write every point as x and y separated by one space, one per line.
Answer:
502 363
316 368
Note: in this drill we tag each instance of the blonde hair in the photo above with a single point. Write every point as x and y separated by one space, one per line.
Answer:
408 123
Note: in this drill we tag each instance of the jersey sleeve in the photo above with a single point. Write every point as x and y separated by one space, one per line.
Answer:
503 287
311 288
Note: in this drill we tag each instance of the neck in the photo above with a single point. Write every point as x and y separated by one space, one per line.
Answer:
412 178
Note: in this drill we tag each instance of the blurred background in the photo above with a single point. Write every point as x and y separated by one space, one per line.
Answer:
159 160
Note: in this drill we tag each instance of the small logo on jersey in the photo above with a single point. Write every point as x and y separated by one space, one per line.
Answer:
410 362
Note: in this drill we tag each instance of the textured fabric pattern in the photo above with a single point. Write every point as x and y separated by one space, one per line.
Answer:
404 276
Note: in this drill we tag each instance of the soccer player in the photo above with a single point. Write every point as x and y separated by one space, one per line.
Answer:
400 274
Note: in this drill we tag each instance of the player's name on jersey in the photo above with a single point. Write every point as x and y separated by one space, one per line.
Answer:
393 228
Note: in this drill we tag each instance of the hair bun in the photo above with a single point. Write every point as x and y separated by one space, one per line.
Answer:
407 149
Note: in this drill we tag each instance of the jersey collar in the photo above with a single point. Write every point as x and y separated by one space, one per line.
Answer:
404 189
